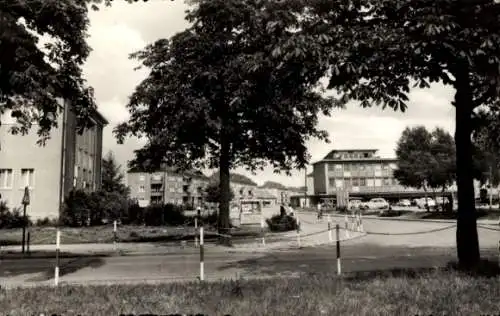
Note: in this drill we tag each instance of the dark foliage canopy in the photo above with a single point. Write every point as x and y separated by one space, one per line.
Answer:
220 86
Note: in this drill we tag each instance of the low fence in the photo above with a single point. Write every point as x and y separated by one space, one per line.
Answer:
339 233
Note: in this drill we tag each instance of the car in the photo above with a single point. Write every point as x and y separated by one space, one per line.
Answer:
404 202
377 203
356 205
424 202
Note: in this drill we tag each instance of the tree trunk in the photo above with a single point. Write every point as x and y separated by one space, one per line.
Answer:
224 182
467 238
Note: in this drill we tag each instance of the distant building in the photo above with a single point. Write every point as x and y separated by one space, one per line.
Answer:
67 161
361 172
167 186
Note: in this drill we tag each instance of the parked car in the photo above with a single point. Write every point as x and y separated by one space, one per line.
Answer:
424 202
356 205
377 203
404 202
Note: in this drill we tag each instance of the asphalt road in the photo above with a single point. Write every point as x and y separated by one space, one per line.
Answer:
174 267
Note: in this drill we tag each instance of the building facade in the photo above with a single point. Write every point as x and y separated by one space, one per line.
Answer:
167 186
355 171
67 161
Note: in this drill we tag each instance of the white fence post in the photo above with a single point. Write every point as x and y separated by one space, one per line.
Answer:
330 234
196 231
114 234
202 256
262 232
56 270
298 231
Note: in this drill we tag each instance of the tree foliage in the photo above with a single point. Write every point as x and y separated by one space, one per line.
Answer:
219 96
213 194
486 138
35 77
112 176
425 159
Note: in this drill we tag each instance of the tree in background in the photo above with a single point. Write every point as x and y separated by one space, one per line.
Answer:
219 96
486 139
425 160
112 176
213 194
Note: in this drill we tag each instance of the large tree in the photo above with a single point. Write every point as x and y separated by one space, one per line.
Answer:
376 51
425 159
219 96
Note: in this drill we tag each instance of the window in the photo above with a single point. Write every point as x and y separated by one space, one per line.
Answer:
378 167
142 178
355 182
387 181
91 162
27 178
347 167
172 190
362 182
6 178
386 167
142 189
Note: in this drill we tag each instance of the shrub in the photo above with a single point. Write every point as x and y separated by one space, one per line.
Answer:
342 209
12 219
46 222
168 214
279 223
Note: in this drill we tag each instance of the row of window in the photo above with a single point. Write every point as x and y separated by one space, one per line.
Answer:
356 167
25 178
361 182
355 155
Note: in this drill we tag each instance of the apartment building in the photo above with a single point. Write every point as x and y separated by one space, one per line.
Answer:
68 160
167 186
356 171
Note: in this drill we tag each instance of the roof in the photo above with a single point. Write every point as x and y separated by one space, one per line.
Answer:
99 117
273 185
235 178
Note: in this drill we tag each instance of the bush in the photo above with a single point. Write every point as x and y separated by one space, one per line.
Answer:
12 219
342 209
46 222
279 223
169 214
82 208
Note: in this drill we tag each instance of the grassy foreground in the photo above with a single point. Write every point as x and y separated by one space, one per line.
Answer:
429 293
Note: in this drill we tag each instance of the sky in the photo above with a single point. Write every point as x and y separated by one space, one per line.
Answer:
124 28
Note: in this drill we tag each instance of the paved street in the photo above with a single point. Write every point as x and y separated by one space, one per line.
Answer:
171 267
382 248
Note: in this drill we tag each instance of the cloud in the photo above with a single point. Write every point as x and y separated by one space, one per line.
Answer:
125 28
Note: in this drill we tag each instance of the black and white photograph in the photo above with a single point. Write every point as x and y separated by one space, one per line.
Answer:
249 157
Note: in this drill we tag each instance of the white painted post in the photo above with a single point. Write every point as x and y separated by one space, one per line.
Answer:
202 256
196 231
114 234
262 230
362 229
330 233
56 271
337 228
298 231
347 234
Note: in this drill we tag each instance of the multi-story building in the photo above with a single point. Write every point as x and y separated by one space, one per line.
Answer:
167 186
355 171
67 161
